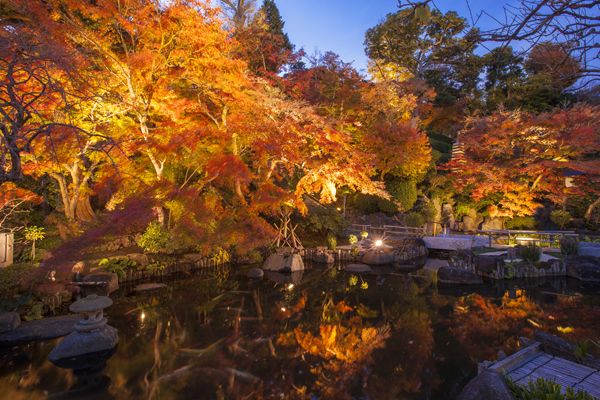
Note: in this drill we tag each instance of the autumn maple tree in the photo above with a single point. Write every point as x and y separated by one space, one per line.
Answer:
514 160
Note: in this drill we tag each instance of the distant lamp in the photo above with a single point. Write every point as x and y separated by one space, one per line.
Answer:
378 243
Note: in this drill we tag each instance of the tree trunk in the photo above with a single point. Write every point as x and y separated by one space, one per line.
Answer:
591 208
236 152
83 209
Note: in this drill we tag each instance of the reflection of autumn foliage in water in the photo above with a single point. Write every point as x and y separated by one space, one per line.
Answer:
405 358
479 320
574 320
342 351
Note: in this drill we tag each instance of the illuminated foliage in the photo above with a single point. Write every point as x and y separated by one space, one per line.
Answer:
516 159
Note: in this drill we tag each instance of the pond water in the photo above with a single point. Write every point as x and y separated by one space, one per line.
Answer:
322 333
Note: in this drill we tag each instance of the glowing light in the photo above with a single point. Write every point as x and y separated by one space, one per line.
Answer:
143 316
567 329
283 309
339 208
378 243
290 287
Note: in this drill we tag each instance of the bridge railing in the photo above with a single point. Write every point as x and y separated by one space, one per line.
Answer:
390 231
540 238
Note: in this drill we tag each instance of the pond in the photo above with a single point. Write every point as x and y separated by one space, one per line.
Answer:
322 333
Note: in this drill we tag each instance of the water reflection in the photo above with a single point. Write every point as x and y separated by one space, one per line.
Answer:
319 334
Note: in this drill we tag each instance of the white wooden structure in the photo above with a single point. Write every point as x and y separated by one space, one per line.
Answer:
6 249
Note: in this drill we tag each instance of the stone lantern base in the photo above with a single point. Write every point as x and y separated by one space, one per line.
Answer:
78 344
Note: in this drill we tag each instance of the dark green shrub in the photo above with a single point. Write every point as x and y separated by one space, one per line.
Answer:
531 253
403 191
560 218
521 223
569 246
387 206
321 220
414 219
365 203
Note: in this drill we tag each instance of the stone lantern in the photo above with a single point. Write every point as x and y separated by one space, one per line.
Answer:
86 349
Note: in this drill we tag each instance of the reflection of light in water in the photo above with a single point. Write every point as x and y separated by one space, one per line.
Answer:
565 329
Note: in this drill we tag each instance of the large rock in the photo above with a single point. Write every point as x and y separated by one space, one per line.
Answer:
108 283
139 258
193 257
357 268
284 260
42 329
256 273
323 256
488 263
9 321
377 258
488 385
456 276
471 220
584 268
493 224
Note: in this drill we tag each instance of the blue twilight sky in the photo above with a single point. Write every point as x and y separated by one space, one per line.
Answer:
340 25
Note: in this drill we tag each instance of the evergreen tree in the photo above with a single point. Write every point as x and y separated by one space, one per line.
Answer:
275 23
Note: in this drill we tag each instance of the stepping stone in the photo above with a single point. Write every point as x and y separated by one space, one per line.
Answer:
42 329
145 287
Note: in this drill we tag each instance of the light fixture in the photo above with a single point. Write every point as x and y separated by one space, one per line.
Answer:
378 243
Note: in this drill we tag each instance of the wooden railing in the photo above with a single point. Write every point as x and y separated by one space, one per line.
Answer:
389 231
540 238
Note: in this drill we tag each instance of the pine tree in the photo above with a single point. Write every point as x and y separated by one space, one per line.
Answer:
275 22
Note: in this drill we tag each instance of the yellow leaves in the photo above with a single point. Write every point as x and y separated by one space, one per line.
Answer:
381 71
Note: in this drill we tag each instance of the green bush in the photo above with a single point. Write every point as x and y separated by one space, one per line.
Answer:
531 253
403 191
365 203
331 241
155 238
12 279
545 390
521 223
560 218
352 240
429 212
321 220
387 206
118 265
414 219
569 246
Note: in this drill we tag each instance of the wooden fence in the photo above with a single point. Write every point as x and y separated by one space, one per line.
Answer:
204 267
388 231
